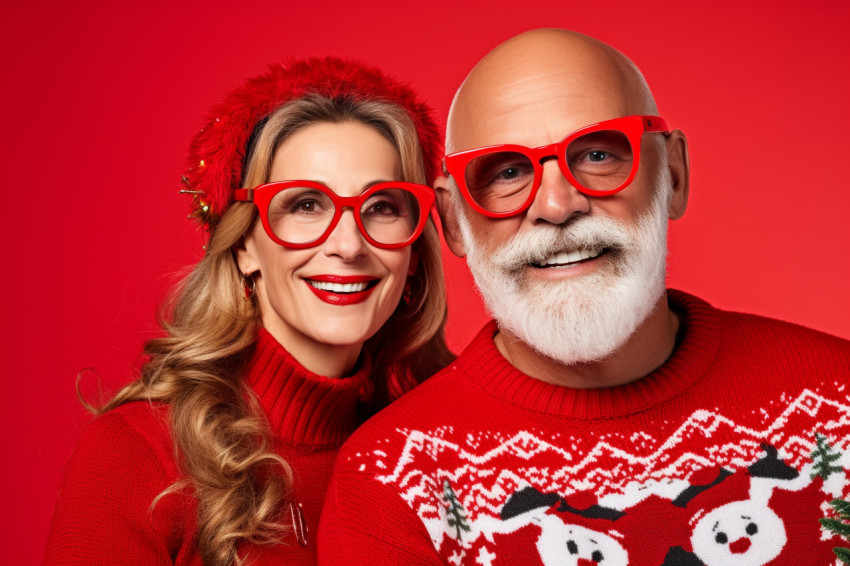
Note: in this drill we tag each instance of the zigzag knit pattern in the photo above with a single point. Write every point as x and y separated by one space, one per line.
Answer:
727 455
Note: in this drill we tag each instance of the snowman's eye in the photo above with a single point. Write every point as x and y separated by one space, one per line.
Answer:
597 556
572 547
721 538
752 529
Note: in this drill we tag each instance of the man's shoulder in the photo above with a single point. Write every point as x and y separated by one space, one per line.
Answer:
775 332
426 403
762 339
435 402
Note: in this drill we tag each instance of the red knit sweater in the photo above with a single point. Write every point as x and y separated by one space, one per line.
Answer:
125 458
727 456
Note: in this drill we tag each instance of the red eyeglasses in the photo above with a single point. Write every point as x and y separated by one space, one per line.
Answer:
302 214
598 160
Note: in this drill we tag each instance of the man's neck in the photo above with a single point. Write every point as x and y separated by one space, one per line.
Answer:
646 350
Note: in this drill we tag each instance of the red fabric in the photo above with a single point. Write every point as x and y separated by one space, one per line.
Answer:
125 458
708 460
217 153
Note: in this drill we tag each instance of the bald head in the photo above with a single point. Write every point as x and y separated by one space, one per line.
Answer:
549 76
520 215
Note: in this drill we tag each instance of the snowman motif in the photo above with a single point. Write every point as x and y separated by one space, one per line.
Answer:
562 541
748 532
573 545
742 533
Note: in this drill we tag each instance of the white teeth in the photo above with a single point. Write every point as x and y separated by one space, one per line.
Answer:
339 287
564 258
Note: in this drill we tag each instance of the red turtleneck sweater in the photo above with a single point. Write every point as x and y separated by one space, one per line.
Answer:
125 458
728 454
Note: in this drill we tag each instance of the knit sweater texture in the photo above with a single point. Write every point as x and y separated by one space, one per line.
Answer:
125 458
727 455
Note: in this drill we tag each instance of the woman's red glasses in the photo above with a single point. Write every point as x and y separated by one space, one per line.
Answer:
598 160
302 214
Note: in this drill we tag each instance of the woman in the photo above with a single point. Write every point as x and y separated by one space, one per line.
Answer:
316 289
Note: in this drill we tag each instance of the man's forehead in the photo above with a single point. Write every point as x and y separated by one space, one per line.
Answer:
535 112
536 88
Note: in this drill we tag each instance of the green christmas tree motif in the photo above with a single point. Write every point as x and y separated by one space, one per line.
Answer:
824 457
456 516
840 526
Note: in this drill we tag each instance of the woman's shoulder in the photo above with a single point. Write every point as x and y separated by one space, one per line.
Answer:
134 435
122 463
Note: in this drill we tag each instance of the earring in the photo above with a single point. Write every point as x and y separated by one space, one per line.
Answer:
249 285
407 294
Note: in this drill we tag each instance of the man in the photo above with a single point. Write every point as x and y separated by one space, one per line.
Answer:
600 419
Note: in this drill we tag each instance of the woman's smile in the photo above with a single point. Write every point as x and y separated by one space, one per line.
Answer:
342 289
324 301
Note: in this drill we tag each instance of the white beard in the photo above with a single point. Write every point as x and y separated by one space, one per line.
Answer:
584 318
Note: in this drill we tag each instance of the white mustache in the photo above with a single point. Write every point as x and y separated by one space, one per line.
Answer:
539 242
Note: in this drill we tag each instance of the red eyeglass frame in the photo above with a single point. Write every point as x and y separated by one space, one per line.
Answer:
262 196
633 126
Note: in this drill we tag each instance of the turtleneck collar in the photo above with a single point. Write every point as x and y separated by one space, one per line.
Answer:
303 407
697 350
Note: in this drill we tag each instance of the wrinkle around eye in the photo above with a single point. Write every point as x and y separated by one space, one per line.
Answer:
384 205
507 176
490 166
502 178
612 163
382 209
307 207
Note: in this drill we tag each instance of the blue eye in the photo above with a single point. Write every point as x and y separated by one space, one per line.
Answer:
500 170
510 173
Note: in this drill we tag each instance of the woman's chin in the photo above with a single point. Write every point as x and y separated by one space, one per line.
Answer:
343 337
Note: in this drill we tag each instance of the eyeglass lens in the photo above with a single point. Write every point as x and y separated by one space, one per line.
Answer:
300 215
500 181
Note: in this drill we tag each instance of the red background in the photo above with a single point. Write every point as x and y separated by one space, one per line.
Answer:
100 100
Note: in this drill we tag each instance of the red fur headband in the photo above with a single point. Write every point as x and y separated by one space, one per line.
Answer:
217 153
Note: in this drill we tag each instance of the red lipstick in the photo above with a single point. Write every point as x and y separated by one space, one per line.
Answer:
332 291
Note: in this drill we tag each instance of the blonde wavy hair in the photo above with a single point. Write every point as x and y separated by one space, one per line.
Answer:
220 433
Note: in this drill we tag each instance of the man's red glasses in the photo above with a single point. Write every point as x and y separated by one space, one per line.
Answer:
598 160
302 214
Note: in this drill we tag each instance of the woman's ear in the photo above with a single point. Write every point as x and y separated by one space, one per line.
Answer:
414 261
246 254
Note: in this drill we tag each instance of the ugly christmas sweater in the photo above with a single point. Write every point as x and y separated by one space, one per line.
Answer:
728 455
125 459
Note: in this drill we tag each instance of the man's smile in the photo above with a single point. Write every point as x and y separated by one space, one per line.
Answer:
563 258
